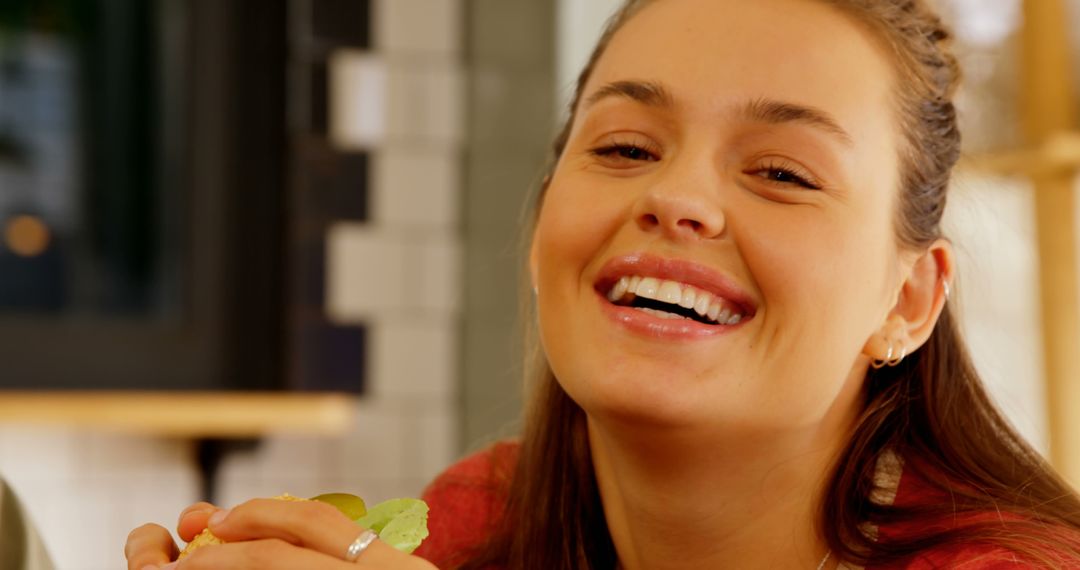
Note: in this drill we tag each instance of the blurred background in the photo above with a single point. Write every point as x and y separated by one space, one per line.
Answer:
259 246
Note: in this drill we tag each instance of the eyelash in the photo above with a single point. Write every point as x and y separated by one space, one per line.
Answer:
618 150
793 175
773 171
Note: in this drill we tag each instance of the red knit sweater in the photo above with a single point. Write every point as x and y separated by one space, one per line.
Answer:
467 502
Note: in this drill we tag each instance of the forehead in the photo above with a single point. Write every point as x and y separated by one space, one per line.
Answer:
717 54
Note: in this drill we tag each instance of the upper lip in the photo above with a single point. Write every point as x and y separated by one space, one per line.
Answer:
694 274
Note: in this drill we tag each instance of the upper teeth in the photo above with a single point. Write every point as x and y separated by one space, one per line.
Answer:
672 292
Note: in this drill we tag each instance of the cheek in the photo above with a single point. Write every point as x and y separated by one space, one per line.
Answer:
571 231
823 276
575 227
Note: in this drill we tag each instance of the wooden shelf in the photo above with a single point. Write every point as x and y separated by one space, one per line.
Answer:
183 414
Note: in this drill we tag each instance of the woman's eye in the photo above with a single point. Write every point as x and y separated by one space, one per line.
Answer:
786 176
625 152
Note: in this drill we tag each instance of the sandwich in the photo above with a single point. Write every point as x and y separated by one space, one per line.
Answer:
401 523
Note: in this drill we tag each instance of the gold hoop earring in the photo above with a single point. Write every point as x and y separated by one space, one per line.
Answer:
896 361
879 363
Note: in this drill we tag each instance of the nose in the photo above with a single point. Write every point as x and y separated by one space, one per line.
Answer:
682 210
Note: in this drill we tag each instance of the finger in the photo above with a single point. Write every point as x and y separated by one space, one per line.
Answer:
149 545
200 506
310 524
267 554
193 520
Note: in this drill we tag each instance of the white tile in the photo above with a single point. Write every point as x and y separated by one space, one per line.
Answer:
412 186
307 466
414 358
371 449
365 273
49 503
87 535
289 455
115 454
425 104
85 513
418 27
437 267
33 452
158 499
357 106
434 437
580 23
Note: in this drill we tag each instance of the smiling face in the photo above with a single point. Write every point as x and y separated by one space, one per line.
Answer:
730 181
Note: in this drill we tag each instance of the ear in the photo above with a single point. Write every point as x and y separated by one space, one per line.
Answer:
919 303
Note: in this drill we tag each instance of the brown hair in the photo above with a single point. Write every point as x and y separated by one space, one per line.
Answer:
931 409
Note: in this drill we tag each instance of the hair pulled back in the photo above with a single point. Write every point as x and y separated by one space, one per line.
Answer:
932 406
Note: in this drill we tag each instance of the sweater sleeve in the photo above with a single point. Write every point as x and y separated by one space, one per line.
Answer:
466 504
915 491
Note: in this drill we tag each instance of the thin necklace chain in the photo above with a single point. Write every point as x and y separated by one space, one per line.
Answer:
824 560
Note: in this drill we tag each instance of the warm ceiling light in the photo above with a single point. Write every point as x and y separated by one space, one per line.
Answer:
27 236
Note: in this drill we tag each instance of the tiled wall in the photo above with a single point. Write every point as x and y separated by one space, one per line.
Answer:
511 101
397 274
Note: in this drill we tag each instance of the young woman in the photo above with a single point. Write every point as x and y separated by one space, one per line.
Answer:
747 357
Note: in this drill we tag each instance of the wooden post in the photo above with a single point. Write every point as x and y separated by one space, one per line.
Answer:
1048 101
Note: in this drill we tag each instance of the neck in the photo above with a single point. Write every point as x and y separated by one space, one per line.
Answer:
706 500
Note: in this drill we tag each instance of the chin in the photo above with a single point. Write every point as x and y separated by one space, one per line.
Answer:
655 404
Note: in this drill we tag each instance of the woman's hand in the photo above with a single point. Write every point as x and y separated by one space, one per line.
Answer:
151 545
267 533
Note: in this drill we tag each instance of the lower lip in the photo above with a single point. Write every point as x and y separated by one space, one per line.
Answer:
652 326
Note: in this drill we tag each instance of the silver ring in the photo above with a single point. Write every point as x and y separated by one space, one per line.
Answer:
359 545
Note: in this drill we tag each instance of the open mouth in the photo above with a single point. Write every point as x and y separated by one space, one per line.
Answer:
668 299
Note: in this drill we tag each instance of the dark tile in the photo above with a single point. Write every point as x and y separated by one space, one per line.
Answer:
319 98
342 22
330 357
334 185
310 277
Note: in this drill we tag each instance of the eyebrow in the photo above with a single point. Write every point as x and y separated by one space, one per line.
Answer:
778 112
645 92
762 110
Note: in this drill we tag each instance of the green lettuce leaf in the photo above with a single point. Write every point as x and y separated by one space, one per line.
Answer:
401 523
